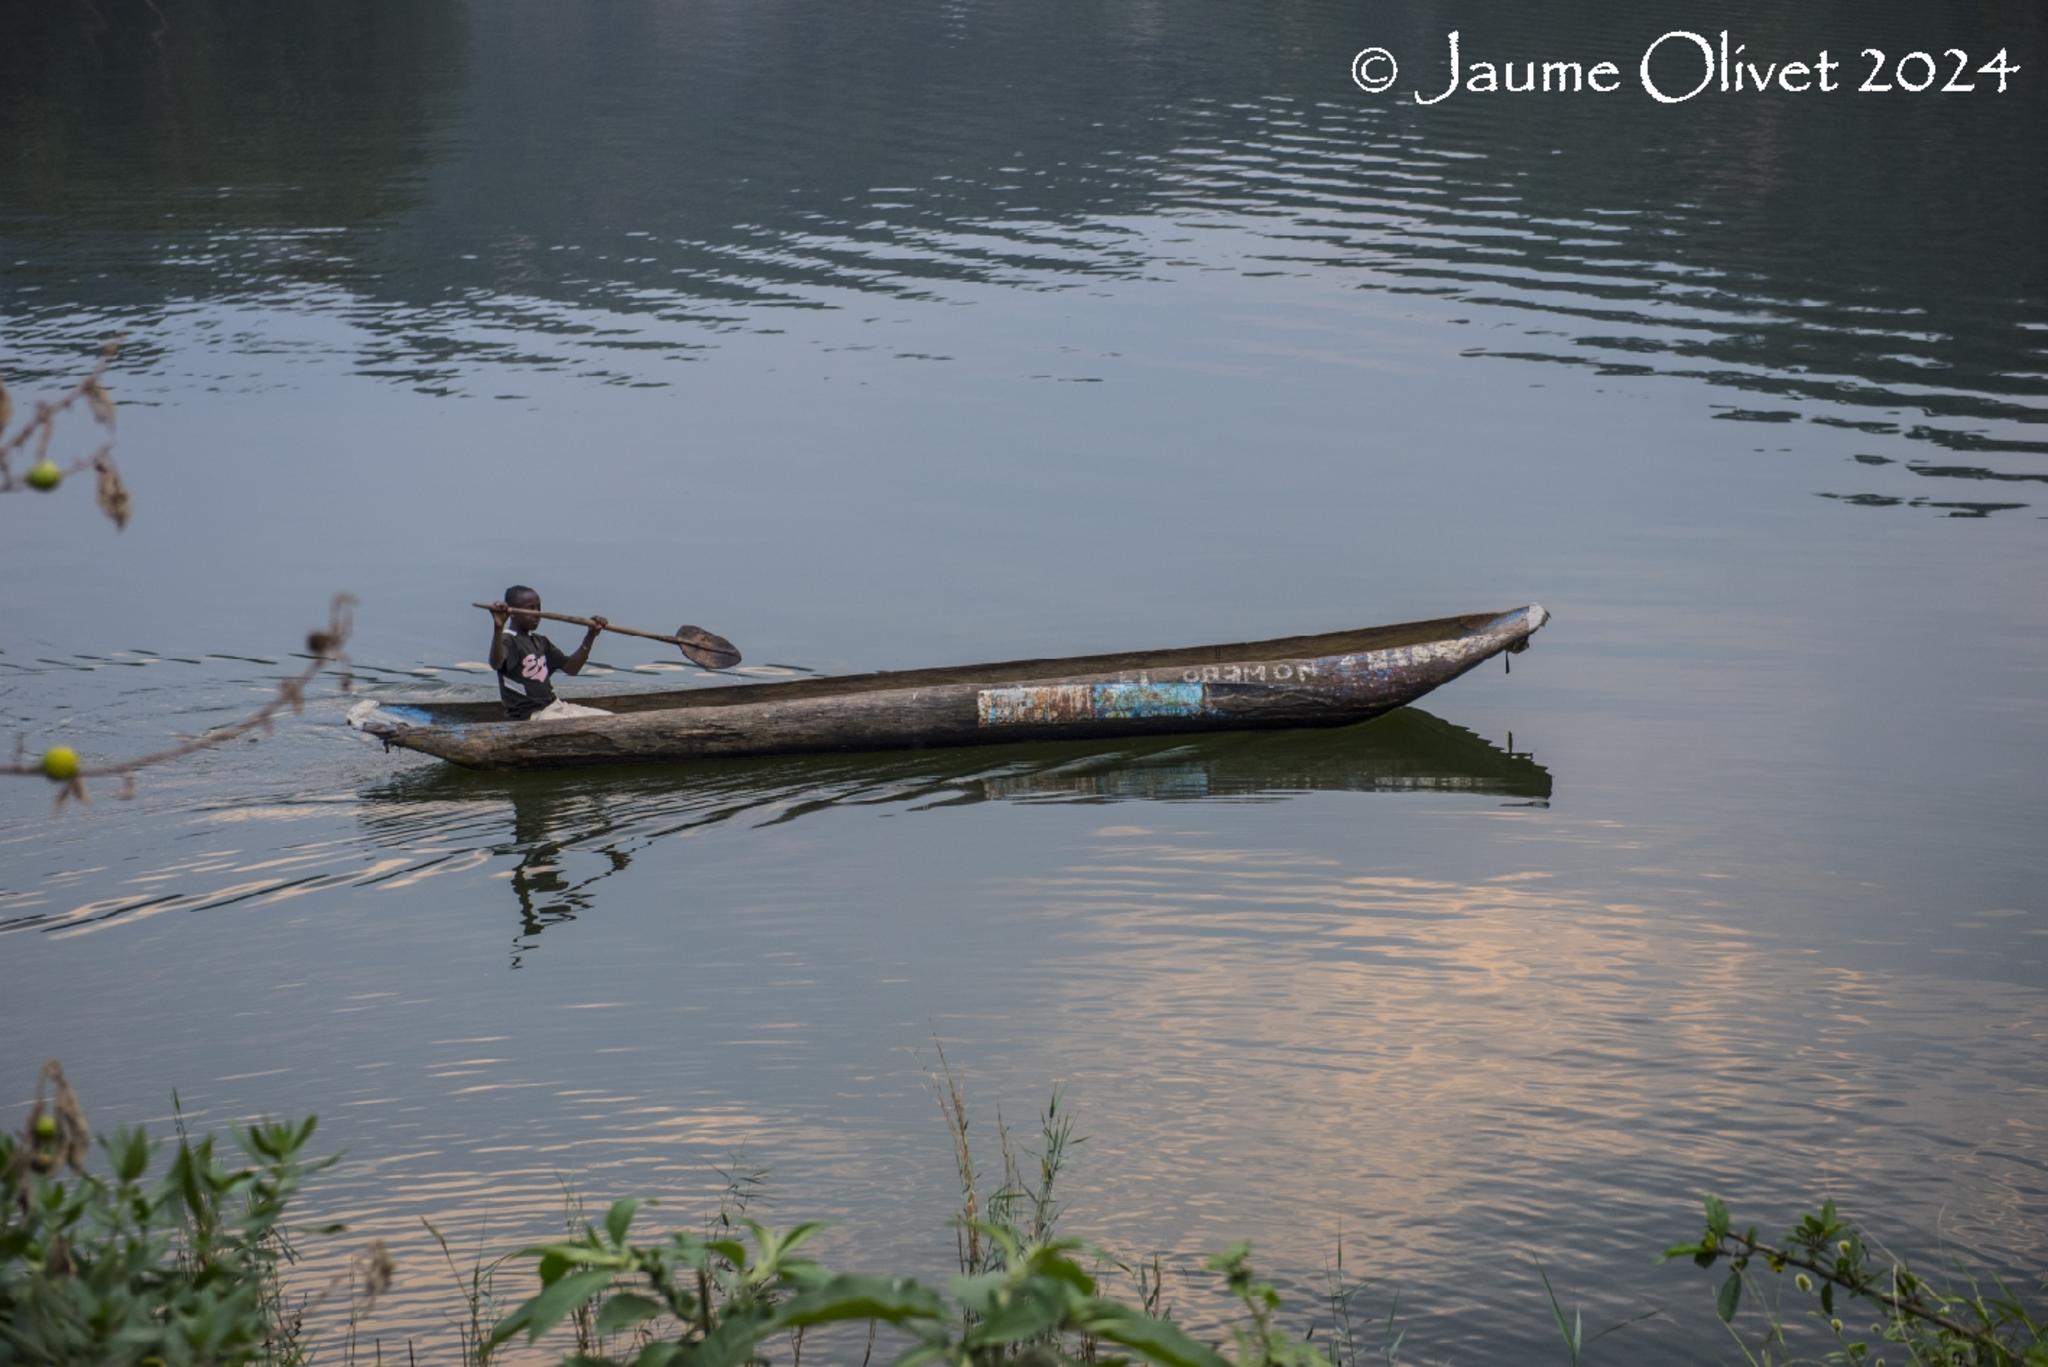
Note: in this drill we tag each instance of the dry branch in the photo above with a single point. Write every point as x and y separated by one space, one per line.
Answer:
326 645
41 427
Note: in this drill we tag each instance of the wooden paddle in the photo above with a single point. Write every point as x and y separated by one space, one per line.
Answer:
698 645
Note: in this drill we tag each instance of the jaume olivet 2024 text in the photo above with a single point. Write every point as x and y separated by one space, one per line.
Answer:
1681 65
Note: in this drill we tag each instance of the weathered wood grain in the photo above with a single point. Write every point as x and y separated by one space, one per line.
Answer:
1330 680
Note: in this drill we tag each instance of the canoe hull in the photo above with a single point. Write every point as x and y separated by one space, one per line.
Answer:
1258 689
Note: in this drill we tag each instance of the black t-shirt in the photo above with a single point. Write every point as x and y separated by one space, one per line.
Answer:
531 659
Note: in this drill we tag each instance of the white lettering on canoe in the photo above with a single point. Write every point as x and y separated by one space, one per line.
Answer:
1264 671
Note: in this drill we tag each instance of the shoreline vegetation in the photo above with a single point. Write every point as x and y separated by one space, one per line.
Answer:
121 1249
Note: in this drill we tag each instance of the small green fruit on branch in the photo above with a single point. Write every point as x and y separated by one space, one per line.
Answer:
325 645
56 1134
44 473
1831 1255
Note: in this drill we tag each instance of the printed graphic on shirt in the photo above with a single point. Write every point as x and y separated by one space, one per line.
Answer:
530 661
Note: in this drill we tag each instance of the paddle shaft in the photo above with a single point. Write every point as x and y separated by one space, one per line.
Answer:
586 622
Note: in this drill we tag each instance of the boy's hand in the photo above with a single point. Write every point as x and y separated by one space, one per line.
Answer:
598 623
500 613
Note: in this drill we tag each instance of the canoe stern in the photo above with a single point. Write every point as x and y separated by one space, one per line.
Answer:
1264 687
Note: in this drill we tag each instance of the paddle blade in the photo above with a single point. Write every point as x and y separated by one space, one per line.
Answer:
707 648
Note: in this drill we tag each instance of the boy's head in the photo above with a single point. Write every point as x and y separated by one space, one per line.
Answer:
517 597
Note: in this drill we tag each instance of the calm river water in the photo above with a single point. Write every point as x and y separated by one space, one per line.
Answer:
878 336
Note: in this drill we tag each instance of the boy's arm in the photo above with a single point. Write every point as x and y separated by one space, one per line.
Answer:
499 614
574 664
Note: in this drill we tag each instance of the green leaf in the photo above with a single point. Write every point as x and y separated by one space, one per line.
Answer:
553 1305
508 1326
1004 1239
1229 1259
851 1297
133 1155
795 1235
625 1310
1572 1333
1027 1311
1717 1215
977 1294
1730 1297
1827 1297
259 1140
578 1254
1051 1261
1158 1341
184 1173
619 1219
658 1355
732 1340
776 1248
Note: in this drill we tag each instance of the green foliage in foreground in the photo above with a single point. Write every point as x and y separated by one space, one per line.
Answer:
181 1269
1844 1280
126 1269
723 1299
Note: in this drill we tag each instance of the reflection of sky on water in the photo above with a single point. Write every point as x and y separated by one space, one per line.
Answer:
1271 1029
1323 996
1008 337
1404 1060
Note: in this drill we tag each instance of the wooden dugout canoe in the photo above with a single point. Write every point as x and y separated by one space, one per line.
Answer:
1329 680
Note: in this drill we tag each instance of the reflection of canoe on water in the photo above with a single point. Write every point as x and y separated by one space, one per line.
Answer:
1328 680
1407 750
569 831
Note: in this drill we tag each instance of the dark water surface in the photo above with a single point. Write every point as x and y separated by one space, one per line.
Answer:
881 336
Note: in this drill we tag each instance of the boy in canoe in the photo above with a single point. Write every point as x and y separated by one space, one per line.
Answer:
527 661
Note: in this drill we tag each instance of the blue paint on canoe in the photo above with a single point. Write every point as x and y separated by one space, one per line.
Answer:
1120 701
1060 704
411 716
